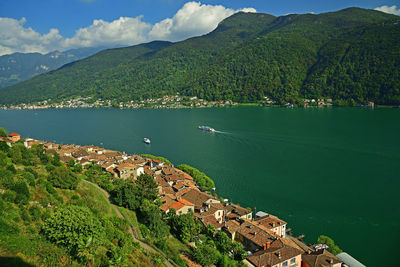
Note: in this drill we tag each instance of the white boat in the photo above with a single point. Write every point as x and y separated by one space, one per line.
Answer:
146 140
207 128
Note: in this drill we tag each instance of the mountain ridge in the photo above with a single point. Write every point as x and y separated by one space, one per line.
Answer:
248 56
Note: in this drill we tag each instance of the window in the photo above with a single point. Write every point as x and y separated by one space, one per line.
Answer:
292 261
285 264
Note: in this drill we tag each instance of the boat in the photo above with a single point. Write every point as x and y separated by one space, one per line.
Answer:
206 129
146 140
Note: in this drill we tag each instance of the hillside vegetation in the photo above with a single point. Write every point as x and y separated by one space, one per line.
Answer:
350 55
47 219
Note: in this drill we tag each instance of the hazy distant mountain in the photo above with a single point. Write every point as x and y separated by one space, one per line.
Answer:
351 56
18 67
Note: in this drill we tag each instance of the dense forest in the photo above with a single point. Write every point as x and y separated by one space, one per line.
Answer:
351 56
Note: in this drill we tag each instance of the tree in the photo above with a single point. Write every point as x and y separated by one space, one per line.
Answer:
333 248
125 194
3 132
150 215
63 178
183 226
56 159
223 242
22 190
75 228
4 147
146 187
238 251
205 254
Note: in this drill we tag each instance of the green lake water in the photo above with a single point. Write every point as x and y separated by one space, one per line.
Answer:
324 171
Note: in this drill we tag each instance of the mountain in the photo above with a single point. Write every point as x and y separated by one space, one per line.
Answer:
351 55
18 67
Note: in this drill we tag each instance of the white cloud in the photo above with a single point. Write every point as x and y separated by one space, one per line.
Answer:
123 31
14 37
192 19
389 9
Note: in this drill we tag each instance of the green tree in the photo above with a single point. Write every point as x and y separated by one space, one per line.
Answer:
23 194
333 248
146 187
223 242
125 194
205 254
238 251
56 159
75 228
63 178
4 147
183 226
150 215
3 132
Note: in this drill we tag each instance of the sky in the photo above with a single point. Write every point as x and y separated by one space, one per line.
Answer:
47 25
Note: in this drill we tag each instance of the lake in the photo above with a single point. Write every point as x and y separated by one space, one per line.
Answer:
332 171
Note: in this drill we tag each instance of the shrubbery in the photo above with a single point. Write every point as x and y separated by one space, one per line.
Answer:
200 178
63 178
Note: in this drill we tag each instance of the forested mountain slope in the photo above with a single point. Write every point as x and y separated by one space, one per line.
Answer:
351 55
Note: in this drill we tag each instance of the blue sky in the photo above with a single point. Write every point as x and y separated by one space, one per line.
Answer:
46 25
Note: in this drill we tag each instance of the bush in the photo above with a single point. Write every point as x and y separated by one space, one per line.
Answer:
200 178
63 178
9 196
22 190
29 177
3 132
333 248
75 228
4 147
6 179
205 254
34 211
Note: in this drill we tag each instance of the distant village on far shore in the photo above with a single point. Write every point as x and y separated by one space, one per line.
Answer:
165 102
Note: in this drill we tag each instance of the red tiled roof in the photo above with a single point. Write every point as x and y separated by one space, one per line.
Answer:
14 134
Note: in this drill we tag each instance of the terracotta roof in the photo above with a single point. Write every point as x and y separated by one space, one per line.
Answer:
277 253
232 226
196 197
126 165
14 134
270 221
255 234
211 220
320 258
236 209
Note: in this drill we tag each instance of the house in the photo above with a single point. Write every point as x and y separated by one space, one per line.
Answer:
252 236
128 171
217 210
320 258
234 211
180 206
273 224
14 137
48 145
199 199
28 142
276 254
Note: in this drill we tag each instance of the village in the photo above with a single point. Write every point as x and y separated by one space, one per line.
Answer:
267 238
165 102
